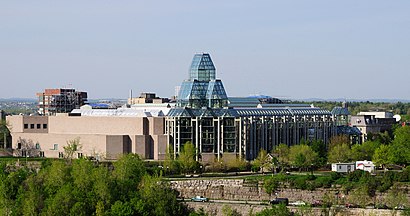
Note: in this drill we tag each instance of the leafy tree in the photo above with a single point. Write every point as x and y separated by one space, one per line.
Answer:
397 197
339 153
381 155
263 161
339 140
364 151
280 209
72 147
319 147
122 209
4 132
128 172
170 164
302 156
157 198
271 185
187 158
400 150
359 196
282 154
27 148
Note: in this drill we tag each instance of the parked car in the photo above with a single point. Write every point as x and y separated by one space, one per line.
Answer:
297 203
279 201
199 199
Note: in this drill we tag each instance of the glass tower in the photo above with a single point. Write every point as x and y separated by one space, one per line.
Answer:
202 89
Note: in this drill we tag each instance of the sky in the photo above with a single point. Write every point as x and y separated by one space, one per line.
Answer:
287 49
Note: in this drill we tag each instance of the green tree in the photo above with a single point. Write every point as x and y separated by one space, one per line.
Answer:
280 209
4 132
71 148
364 151
263 161
319 147
400 150
339 153
128 173
170 164
397 197
157 198
187 158
302 156
282 154
381 155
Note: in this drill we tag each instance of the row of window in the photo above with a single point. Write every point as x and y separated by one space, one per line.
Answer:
35 126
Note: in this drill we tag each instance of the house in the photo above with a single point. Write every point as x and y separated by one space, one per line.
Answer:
343 167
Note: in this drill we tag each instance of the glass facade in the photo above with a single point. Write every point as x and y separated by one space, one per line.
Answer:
218 129
202 89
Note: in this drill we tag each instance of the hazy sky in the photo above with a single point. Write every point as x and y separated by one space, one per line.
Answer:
292 49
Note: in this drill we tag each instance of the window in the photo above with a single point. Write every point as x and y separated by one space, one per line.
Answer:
44 126
80 155
18 145
31 126
25 126
60 155
41 154
37 145
38 126
55 147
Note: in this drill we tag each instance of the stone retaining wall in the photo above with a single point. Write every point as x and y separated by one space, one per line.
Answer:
246 209
239 189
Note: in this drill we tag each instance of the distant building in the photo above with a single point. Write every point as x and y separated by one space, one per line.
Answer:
145 98
53 101
103 133
373 122
341 116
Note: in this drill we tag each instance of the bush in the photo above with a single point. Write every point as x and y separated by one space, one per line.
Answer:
300 183
356 175
335 176
325 182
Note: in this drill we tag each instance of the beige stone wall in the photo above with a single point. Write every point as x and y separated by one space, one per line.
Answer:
96 125
106 135
91 144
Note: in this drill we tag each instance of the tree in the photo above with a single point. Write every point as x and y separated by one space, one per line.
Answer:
187 158
71 148
302 156
282 153
170 164
381 155
319 147
280 209
339 153
26 148
364 151
338 140
4 130
263 161
397 197
400 147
